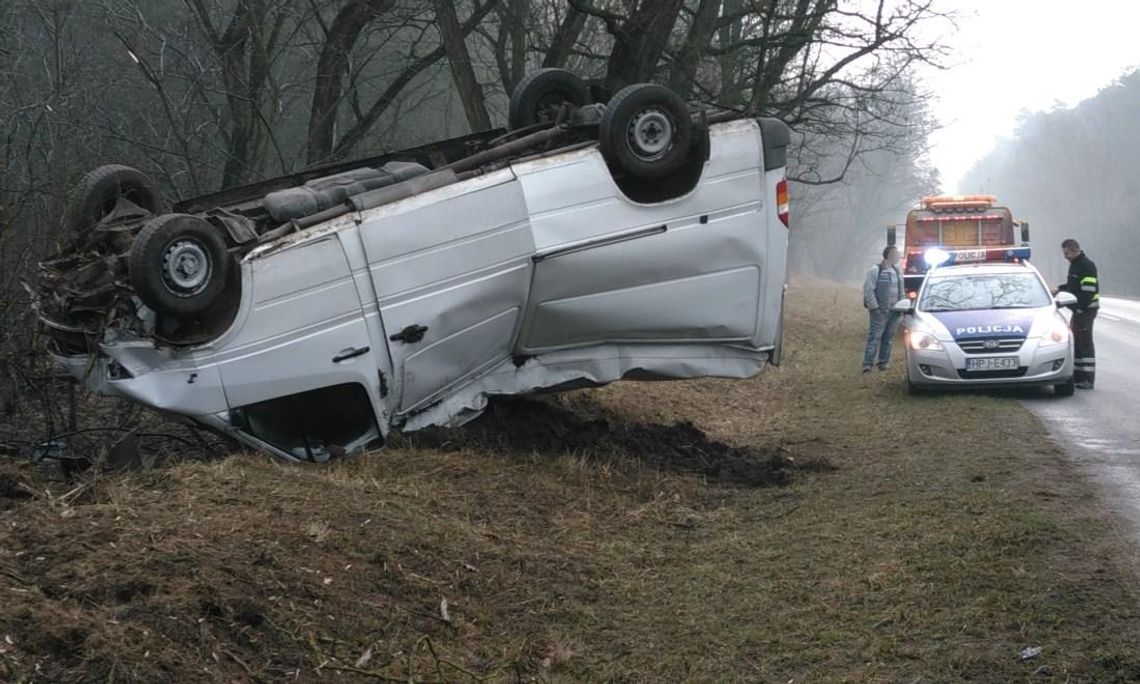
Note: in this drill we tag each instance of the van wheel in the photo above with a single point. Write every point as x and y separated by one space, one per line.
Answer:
540 96
99 191
647 131
1065 389
178 265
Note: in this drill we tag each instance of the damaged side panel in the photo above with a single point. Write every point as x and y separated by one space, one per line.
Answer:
592 366
190 390
608 269
451 278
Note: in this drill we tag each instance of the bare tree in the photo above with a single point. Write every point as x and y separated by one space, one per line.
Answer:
247 44
839 226
570 27
684 72
413 64
332 67
640 36
463 74
828 70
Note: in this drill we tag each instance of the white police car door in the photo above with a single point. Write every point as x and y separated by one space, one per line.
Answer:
451 268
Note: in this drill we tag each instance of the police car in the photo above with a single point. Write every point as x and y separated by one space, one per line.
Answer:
986 324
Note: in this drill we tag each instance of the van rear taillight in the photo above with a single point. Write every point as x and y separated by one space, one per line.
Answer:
782 201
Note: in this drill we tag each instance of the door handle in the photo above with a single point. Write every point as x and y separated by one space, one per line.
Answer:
351 354
410 334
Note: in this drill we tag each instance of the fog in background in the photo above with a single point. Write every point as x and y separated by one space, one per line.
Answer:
839 229
1075 172
1070 171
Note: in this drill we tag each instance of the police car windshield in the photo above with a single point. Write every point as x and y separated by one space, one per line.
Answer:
983 291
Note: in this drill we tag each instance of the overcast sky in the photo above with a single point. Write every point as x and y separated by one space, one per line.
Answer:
1012 55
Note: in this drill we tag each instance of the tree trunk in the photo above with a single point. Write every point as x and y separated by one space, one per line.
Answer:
462 73
360 129
731 89
803 29
231 50
684 72
640 41
517 12
332 65
565 38
510 45
243 51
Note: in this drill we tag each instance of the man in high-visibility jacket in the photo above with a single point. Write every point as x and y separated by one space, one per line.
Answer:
1083 284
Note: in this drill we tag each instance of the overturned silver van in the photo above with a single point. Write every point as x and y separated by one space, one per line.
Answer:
307 316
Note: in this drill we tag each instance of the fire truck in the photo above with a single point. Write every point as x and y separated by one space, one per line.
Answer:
968 228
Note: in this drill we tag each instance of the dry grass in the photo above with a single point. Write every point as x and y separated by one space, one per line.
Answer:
936 549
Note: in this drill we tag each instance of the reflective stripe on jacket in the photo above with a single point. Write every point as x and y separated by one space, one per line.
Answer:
1083 282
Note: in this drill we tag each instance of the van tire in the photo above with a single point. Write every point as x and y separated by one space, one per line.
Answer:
100 189
646 132
179 265
541 94
1065 389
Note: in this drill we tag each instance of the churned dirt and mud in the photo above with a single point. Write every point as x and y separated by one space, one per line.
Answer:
527 426
812 524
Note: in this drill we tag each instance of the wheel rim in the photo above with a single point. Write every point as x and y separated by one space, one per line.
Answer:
650 134
186 267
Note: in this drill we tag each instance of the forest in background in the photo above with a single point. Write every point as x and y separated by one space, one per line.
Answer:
1074 172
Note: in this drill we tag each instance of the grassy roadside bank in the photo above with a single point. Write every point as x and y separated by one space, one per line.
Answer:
841 532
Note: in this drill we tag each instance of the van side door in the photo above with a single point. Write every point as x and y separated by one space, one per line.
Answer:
451 268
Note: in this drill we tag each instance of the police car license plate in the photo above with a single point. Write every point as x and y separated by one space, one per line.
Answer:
990 363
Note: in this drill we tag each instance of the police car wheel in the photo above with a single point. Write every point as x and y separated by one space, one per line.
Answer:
178 265
1065 389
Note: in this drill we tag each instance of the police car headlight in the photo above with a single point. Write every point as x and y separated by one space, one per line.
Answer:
1057 334
923 341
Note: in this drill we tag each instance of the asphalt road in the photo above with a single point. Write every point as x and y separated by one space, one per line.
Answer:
1101 427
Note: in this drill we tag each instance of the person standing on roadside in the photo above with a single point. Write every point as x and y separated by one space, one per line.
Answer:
882 289
1083 284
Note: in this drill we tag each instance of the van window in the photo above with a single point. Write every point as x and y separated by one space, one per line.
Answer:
315 425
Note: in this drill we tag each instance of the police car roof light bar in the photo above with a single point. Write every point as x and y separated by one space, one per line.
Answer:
937 256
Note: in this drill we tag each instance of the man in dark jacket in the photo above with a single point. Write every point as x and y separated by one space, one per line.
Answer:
1083 284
